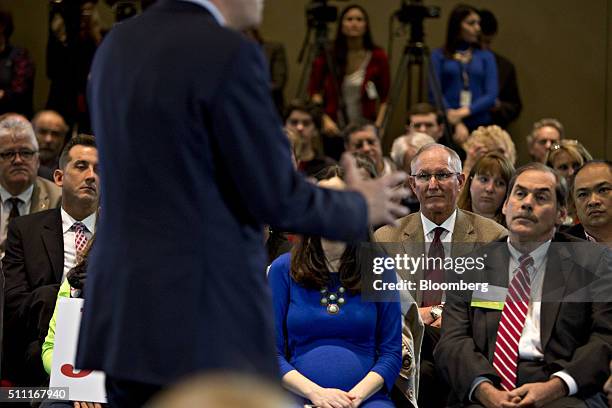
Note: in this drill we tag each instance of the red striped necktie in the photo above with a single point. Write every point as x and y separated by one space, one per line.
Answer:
435 274
505 359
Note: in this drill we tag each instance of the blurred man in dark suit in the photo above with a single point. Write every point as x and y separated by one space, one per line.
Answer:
194 162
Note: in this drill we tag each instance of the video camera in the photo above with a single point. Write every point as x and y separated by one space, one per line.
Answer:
319 12
414 12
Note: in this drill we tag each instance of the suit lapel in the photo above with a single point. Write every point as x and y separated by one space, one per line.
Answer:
413 243
40 198
558 265
496 274
464 236
53 240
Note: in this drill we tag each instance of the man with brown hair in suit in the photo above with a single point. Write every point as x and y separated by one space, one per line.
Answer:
41 248
436 180
536 343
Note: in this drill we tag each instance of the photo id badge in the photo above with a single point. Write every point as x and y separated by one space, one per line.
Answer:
371 90
465 98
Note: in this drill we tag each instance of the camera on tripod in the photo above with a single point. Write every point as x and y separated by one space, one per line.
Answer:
319 12
414 11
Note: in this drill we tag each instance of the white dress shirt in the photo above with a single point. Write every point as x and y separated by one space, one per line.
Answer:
530 343
69 235
211 8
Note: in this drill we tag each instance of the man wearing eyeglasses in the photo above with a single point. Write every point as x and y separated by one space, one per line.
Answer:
436 180
50 129
545 134
21 191
363 138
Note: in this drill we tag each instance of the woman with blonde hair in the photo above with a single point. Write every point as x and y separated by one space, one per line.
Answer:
486 186
567 157
488 139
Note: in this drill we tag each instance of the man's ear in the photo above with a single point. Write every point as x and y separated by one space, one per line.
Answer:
461 180
58 177
411 183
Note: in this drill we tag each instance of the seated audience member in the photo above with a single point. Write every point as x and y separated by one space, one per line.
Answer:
362 137
305 120
21 191
508 104
436 180
16 72
567 157
489 139
403 150
72 287
41 249
545 133
424 118
592 193
405 147
536 350
51 130
486 186
222 390
334 349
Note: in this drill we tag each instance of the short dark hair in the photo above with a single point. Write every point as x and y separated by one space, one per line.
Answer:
309 108
355 127
79 140
488 22
424 108
592 163
6 24
561 189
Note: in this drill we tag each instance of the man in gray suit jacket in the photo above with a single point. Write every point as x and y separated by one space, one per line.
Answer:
436 180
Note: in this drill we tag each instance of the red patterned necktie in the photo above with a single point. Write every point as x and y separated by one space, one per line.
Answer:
505 359
80 239
434 274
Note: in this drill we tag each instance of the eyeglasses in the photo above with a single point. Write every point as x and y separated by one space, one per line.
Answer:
424 178
10 155
361 143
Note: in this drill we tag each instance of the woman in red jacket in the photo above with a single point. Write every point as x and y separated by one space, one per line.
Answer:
361 84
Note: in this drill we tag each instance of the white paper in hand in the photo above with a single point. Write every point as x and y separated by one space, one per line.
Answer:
83 385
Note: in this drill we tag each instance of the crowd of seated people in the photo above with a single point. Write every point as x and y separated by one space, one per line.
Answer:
429 348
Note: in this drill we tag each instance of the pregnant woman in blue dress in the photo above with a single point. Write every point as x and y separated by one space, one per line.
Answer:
334 349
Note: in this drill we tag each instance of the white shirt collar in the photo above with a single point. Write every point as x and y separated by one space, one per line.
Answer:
537 254
211 8
68 222
25 196
448 224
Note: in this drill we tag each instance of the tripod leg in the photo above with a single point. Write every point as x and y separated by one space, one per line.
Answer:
305 75
437 94
394 96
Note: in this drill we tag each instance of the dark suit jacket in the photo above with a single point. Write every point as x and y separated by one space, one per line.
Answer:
575 336
193 163
33 266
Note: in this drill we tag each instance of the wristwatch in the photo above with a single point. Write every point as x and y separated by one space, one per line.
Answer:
436 311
